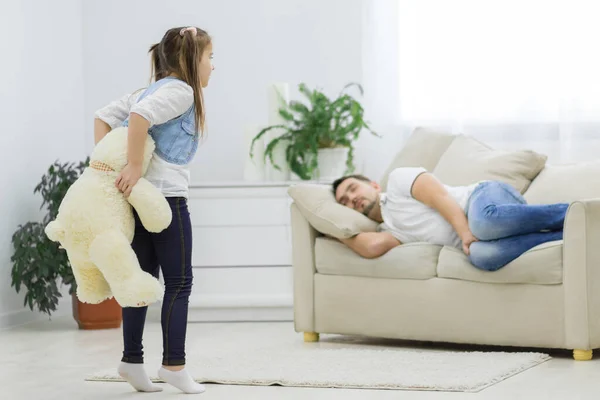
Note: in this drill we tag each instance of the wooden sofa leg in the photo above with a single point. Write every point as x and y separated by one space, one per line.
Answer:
582 355
311 337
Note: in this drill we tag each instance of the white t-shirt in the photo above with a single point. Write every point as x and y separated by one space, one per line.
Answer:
170 101
409 220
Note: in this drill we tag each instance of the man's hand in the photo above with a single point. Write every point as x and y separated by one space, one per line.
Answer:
128 178
467 239
430 191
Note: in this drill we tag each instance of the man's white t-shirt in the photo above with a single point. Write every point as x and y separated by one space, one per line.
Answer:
409 220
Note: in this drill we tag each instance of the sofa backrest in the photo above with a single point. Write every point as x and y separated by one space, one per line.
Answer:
423 148
461 160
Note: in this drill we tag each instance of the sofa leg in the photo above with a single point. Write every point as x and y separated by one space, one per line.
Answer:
311 337
582 355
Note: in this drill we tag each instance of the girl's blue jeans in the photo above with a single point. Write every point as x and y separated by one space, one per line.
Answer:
171 251
507 226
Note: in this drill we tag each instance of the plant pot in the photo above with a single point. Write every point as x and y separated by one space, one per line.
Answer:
105 315
332 163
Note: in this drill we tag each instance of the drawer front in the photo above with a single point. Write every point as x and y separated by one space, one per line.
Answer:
241 246
221 287
211 212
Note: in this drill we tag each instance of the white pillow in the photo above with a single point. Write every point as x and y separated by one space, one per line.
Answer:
318 205
468 160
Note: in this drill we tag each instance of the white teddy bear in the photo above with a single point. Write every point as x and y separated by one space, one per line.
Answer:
95 225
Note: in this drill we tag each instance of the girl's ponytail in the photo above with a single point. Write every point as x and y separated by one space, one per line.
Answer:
180 52
190 57
156 68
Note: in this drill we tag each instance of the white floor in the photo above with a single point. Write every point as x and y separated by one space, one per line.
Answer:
51 359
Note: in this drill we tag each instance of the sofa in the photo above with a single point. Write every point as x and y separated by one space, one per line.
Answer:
547 298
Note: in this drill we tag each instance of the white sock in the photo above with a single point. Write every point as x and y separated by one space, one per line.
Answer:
136 375
181 380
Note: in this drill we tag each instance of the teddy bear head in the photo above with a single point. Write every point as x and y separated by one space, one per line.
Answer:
112 150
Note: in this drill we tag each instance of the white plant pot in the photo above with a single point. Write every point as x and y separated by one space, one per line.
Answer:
332 163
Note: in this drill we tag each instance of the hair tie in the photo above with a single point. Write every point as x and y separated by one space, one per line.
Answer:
189 28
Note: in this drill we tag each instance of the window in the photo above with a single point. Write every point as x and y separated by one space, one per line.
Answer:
524 68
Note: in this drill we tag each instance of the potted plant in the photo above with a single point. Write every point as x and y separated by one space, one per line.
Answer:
318 136
39 263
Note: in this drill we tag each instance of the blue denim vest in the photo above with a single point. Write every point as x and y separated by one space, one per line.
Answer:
176 140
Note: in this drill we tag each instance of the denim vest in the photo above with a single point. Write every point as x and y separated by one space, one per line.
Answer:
176 140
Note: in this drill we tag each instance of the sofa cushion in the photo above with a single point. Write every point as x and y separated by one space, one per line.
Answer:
422 149
468 160
540 265
565 183
408 261
317 204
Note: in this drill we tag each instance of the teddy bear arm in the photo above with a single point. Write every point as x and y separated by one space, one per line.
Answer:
152 207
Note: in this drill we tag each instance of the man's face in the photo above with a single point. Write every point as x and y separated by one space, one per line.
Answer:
358 195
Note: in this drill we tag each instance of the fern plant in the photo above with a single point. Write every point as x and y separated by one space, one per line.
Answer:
320 124
38 262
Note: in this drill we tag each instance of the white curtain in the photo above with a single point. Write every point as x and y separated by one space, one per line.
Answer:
513 73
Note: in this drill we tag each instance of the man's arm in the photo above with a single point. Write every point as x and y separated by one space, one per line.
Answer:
430 191
371 244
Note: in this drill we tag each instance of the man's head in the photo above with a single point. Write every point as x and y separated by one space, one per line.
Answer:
357 192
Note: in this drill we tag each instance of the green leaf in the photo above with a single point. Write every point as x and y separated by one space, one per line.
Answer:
37 262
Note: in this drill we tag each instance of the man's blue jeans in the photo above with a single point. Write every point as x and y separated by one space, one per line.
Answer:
507 226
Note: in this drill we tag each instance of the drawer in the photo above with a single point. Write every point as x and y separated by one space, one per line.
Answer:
267 211
232 284
241 246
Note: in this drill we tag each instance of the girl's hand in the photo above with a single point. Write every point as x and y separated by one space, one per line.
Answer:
467 239
128 178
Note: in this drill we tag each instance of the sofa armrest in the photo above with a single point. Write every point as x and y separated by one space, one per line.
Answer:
581 274
303 264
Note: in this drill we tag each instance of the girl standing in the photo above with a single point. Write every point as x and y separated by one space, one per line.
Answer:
171 110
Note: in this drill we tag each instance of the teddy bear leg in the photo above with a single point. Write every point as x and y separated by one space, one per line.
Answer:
131 286
92 288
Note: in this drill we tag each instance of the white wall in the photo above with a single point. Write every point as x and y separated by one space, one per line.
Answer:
56 49
41 109
255 43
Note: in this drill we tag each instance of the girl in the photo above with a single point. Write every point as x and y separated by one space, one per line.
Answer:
171 110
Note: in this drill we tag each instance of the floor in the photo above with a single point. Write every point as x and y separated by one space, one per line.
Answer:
50 359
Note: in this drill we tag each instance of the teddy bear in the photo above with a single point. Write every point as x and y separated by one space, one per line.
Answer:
95 225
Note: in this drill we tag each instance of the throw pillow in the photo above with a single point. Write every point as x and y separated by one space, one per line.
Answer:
468 160
317 204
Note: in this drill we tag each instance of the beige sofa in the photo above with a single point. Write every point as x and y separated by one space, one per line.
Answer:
547 298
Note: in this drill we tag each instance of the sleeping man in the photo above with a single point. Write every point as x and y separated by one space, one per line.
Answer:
489 220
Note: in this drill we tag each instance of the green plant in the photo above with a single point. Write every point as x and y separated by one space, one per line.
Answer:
320 124
38 262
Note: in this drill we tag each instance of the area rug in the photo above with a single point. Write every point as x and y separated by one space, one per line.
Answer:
313 365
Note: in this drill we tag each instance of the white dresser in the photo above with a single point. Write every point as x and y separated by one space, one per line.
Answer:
242 252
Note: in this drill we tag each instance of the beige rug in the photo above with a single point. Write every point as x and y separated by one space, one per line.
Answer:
347 365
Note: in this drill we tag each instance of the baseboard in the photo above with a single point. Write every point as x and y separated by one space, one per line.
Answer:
221 308
24 316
